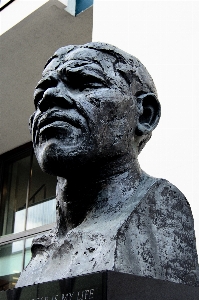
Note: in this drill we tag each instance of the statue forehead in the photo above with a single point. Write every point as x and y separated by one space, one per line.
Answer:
89 55
93 56
113 61
84 53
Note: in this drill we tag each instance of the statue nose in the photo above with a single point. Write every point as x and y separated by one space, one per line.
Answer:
45 83
55 97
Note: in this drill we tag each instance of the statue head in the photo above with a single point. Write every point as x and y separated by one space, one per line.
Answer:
94 103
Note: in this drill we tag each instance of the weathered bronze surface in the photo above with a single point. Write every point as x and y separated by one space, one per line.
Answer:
96 107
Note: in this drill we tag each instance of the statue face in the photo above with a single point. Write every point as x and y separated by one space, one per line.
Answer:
85 111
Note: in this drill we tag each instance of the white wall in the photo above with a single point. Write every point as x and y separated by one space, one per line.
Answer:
164 36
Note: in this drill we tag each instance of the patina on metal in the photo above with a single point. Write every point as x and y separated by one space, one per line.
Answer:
96 108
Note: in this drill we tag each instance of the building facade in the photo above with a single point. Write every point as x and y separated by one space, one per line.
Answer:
27 203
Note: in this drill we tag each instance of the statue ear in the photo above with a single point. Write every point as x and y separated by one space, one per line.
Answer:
149 111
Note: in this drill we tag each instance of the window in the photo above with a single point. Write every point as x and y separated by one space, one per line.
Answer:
27 207
13 258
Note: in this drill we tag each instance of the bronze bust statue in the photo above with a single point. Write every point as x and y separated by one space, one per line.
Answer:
96 108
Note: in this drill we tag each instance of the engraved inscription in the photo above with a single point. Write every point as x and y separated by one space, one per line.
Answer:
67 296
85 295
79 295
56 297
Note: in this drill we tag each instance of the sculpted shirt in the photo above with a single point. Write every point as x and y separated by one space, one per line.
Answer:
150 234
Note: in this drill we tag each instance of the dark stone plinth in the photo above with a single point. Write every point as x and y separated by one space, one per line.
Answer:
106 285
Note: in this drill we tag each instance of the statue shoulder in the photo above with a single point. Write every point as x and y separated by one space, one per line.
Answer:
162 191
158 238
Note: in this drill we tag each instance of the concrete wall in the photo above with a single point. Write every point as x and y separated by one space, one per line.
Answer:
24 50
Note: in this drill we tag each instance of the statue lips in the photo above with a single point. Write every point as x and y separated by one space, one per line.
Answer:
58 117
55 121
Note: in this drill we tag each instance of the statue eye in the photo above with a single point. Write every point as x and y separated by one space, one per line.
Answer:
81 79
88 81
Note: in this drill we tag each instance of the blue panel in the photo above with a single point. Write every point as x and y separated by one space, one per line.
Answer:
82 5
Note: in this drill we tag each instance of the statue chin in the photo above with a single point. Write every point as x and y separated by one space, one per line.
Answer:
60 161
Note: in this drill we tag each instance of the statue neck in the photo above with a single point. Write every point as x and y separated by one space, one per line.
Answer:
99 186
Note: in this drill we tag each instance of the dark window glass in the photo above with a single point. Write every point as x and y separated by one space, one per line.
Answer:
27 202
28 195
16 176
41 206
13 258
